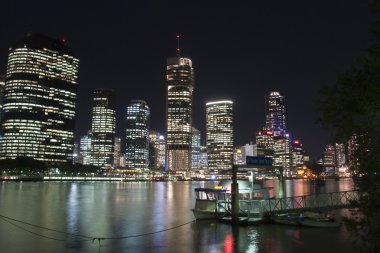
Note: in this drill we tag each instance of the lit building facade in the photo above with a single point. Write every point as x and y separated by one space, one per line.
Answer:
264 143
298 155
39 100
282 155
159 145
180 85
329 158
2 87
103 128
117 152
219 127
239 157
334 157
275 113
196 148
203 164
137 135
85 149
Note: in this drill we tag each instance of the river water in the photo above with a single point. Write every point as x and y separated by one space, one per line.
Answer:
147 217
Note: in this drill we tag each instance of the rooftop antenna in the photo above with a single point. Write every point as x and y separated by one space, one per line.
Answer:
178 49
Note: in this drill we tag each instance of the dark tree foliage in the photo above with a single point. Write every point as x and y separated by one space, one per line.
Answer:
22 165
350 108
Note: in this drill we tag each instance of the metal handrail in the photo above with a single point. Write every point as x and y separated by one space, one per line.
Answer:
330 200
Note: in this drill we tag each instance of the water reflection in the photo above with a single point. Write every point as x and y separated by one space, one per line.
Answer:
117 209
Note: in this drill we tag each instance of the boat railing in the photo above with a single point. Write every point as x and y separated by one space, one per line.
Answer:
309 202
251 207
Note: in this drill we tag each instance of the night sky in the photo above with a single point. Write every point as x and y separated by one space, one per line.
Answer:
240 51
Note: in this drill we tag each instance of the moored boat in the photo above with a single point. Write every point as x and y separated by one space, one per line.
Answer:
206 202
216 203
308 220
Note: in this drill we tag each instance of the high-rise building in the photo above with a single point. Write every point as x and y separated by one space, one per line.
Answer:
85 149
103 127
264 143
282 156
219 119
2 87
196 148
76 157
117 152
275 113
352 147
40 100
159 144
137 135
298 155
180 83
329 158
203 164
334 157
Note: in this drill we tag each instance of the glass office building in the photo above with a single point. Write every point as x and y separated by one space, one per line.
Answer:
103 127
137 135
40 98
219 119
180 84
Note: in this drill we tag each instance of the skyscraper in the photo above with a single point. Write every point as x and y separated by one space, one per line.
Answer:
196 148
180 83
40 100
298 155
103 127
219 134
117 155
2 87
264 142
85 149
137 135
159 144
282 157
275 113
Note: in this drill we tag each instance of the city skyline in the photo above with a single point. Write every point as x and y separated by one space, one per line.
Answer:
243 57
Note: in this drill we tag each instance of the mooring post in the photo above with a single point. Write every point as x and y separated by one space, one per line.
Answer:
235 196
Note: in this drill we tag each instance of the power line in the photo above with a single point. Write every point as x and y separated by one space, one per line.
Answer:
6 218
88 238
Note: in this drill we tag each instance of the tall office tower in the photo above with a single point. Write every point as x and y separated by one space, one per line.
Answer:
137 135
103 127
329 158
180 83
2 87
334 157
264 142
282 156
76 157
85 149
298 155
153 152
275 113
40 100
117 152
196 148
352 147
203 164
340 156
159 144
219 134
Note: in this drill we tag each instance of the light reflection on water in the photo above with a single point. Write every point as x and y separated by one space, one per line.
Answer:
119 209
